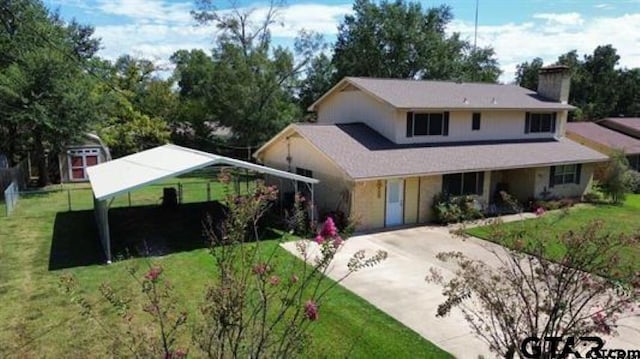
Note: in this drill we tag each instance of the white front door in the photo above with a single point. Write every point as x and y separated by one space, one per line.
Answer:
395 200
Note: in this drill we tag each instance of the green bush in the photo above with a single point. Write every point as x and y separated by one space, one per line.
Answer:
616 183
592 197
455 209
633 181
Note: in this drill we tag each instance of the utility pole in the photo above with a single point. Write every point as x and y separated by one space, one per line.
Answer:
475 34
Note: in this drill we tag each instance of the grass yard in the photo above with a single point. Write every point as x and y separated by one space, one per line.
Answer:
616 219
37 320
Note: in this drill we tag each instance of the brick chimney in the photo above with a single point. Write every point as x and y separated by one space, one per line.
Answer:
554 82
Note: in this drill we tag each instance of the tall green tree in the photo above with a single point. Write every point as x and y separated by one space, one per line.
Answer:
247 84
46 94
598 87
527 73
400 39
136 111
319 78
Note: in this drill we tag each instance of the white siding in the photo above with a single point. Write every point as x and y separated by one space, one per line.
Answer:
564 190
494 125
351 105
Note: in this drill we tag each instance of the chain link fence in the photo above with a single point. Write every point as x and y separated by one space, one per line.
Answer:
201 186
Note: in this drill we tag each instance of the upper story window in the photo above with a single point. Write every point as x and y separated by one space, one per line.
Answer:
475 121
427 124
540 122
459 184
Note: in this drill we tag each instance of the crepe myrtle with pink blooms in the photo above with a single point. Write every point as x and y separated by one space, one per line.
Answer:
259 303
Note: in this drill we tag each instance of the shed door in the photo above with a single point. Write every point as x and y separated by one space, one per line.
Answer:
395 200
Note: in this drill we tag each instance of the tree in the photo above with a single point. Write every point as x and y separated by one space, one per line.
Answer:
247 84
602 92
598 88
525 295
616 183
629 95
527 74
400 40
319 79
135 105
46 95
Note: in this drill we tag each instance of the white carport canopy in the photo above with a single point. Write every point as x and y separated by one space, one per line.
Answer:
122 175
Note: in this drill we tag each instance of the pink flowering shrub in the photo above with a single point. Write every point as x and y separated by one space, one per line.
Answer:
165 323
311 310
583 291
254 307
250 305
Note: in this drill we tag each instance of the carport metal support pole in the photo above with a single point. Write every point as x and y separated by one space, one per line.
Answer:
101 212
313 205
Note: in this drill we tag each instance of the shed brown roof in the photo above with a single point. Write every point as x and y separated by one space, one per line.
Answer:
421 94
364 153
605 136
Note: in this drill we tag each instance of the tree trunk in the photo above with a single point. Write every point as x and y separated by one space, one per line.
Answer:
12 147
41 160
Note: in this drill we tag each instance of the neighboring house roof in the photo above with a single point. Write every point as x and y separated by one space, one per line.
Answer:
113 178
420 94
363 153
605 136
628 125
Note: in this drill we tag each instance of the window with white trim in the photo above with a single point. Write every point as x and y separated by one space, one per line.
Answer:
565 174
427 124
540 122
459 184
79 160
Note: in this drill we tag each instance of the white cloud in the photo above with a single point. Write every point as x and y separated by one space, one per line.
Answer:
571 18
148 10
516 43
604 6
156 29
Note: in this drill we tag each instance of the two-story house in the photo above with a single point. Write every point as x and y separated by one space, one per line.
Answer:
383 148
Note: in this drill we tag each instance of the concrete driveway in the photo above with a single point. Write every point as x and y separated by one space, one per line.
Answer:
397 285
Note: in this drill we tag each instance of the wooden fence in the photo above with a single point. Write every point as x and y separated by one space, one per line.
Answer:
18 173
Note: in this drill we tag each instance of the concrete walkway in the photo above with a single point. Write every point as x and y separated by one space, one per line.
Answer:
397 285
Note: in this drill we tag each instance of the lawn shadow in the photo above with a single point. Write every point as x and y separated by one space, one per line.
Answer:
135 232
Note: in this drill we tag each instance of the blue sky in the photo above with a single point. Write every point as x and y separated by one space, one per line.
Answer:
518 30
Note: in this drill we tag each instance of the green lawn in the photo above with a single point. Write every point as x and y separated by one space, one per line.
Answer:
37 320
616 219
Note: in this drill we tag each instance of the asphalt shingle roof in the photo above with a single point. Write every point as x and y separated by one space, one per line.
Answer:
364 153
418 94
629 125
605 137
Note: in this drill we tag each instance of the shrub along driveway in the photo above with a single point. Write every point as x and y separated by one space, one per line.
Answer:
397 285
